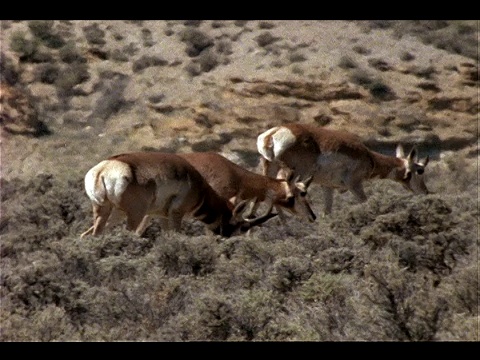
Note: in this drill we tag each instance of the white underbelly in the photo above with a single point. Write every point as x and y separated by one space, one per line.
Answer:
337 170
169 193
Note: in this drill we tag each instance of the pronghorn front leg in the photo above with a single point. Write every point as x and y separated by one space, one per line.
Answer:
281 215
143 225
357 190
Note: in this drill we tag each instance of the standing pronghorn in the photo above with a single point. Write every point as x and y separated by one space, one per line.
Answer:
234 183
144 183
338 160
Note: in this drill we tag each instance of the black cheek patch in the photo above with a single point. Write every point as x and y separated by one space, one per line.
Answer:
289 203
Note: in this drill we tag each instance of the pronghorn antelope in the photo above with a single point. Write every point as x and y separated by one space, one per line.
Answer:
339 160
144 183
234 183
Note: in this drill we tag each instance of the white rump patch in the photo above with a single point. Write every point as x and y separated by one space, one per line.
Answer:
272 143
107 180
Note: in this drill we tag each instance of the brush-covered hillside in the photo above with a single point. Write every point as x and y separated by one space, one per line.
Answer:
398 267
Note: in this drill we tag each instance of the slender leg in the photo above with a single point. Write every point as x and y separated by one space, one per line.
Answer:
265 164
164 222
328 200
143 225
175 220
116 217
281 215
101 215
88 232
135 219
357 190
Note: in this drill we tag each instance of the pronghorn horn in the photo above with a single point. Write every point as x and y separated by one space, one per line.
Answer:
239 207
249 212
261 219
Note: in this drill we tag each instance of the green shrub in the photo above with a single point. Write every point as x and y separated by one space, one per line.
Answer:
72 75
346 62
196 41
41 28
44 30
147 38
70 54
48 73
148 61
266 38
94 34
24 47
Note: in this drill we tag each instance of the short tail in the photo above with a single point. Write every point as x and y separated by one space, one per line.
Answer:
94 186
272 143
107 181
265 144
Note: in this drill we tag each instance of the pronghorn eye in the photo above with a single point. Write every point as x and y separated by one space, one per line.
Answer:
420 171
303 193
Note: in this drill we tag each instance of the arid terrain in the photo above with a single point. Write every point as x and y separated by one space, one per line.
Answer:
396 268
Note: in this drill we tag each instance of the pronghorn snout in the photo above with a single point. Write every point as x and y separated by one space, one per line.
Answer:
312 217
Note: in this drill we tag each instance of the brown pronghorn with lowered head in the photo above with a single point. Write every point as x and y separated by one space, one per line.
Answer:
234 183
144 183
338 159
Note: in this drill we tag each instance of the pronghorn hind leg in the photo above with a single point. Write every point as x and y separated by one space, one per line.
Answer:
328 200
265 165
101 215
88 232
164 226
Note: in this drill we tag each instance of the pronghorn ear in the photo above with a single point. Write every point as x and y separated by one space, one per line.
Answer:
289 175
413 155
303 185
424 162
399 152
308 181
